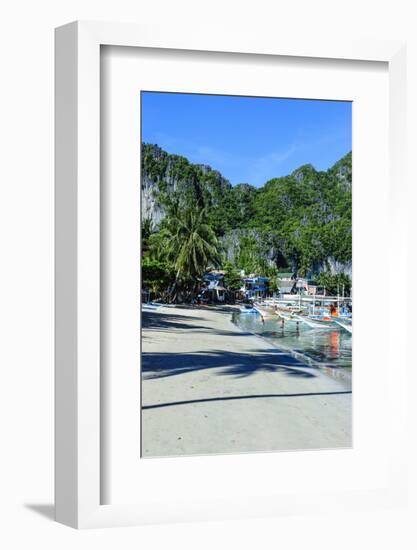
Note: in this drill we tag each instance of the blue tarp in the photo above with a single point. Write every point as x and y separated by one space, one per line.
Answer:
213 277
255 279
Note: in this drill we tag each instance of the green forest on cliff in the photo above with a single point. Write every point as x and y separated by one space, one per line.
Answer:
300 223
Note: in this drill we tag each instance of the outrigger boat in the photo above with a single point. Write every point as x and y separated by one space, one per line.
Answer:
264 312
248 308
286 316
308 314
312 321
317 321
346 326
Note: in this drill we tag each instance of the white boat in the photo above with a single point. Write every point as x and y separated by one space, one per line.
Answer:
248 309
261 311
151 306
346 326
286 315
310 321
316 322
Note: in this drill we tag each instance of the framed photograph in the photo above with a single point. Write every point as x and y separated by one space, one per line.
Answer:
246 288
222 207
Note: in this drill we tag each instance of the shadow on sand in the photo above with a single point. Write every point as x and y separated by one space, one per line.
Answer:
238 397
169 321
173 322
160 365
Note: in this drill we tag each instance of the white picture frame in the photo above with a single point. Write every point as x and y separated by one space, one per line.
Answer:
78 404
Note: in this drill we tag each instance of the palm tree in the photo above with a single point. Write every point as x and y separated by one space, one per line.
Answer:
191 245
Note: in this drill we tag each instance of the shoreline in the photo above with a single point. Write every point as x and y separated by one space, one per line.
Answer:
210 387
341 373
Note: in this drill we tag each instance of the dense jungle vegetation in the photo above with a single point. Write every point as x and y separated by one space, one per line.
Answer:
299 224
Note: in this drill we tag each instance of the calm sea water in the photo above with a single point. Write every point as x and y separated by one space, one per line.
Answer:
332 348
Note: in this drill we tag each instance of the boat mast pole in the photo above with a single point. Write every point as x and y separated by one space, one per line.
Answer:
338 300
314 300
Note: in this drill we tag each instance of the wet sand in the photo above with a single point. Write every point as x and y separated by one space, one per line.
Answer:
208 387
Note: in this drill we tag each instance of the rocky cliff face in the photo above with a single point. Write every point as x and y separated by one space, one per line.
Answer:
306 213
156 173
166 174
232 241
235 241
342 170
151 207
334 267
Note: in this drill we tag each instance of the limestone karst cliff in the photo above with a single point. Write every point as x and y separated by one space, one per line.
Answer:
301 221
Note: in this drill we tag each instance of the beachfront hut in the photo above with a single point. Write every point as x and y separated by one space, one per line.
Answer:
301 286
298 285
213 289
287 285
256 287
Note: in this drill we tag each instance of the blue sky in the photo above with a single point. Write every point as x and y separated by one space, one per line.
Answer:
249 140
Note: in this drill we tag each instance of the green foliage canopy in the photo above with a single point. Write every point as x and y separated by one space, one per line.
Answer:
297 222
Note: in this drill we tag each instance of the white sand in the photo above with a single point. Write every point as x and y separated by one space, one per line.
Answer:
208 387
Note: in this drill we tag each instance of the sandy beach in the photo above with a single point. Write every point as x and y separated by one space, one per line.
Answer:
208 387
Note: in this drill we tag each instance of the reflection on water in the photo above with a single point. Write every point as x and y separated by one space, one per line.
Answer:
330 347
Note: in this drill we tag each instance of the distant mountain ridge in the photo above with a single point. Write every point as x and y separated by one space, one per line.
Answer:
302 220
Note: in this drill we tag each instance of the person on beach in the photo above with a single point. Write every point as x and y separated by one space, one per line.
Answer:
333 310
